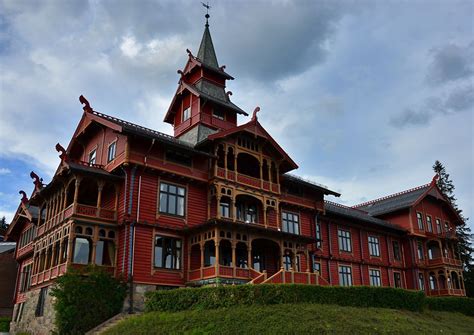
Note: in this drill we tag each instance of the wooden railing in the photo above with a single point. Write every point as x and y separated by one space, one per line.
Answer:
293 277
248 180
260 278
444 260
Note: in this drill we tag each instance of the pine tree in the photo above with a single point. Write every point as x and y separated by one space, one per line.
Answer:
3 223
463 231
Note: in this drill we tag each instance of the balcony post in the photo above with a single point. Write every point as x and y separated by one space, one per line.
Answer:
216 245
234 258
100 187
233 209
264 213
201 245
235 165
225 160
76 193
69 248
218 199
249 255
261 173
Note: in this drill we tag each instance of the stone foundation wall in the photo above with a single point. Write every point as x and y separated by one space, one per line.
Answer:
30 323
139 291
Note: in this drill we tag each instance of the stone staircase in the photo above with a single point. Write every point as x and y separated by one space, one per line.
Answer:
100 329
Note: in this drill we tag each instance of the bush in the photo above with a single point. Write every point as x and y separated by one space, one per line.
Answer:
268 294
85 299
451 304
5 324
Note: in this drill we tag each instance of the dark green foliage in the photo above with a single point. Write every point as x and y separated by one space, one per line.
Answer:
5 325
85 299
3 223
451 304
269 294
463 232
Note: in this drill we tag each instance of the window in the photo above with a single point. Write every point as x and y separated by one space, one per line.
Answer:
429 224
421 282
41 300
82 251
446 227
105 253
167 252
344 237
419 218
172 199
375 277
438 226
290 222
396 250
374 246
397 280
432 282
345 275
92 157
186 114
420 251
19 312
317 267
287 262
218 114
247 212
225 209
318 235
111 151
25 278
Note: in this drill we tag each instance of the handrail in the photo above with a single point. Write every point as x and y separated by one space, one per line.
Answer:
262 274
269 279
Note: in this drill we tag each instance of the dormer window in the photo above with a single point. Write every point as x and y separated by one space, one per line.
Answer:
218 114
111 152
186 114
92 157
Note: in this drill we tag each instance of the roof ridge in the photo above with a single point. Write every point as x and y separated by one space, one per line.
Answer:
305 179
390 196
159 133
347 207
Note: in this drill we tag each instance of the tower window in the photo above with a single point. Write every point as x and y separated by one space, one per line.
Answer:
92 157
186 114
218 114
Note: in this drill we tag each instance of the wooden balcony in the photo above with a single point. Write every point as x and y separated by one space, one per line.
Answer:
447 292
48 274
248 180
443 261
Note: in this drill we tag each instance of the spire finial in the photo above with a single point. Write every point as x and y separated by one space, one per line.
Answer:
207 16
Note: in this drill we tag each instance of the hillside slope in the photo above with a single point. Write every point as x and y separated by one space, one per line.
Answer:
296 319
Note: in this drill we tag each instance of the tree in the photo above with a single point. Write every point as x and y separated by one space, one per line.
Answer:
3 223
463 231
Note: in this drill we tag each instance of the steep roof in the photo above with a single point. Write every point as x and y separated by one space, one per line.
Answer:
133 128
254 127
357 214
206 52
393 202
310 184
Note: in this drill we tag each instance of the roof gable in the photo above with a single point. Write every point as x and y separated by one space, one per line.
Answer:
255 128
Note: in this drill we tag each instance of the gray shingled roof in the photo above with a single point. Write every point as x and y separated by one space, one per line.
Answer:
308 183
216 94
352 213
147 132
393 202
6 246
206 52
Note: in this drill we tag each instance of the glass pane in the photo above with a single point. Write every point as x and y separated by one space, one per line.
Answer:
163 202
172 204
180 206
99 253
172 189
181 191
81 251
163 187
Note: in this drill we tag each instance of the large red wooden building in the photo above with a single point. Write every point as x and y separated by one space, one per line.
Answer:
215 204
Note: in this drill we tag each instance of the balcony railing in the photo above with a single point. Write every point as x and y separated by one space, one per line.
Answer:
447 291
248 180
444 261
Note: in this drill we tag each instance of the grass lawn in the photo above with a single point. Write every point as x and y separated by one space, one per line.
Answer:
296 319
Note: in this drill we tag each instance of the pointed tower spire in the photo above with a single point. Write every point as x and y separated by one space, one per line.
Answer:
206 52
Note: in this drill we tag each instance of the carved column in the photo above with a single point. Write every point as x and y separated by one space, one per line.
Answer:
76 193
249 255
234 258
201 245
100 187
218 200
216 245
69 249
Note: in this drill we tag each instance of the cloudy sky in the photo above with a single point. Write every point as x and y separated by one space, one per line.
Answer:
364 95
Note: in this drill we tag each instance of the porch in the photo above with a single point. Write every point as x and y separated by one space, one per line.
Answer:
233 256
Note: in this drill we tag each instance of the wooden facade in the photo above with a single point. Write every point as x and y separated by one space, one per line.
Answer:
215 204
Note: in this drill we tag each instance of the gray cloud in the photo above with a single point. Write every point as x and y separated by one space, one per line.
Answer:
460 99
451 62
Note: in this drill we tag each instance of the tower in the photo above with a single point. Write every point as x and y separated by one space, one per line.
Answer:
201 106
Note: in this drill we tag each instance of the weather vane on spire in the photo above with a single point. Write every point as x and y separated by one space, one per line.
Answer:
207 16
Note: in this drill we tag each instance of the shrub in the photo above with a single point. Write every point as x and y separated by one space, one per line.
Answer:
5 324
268 294
451 304
86 298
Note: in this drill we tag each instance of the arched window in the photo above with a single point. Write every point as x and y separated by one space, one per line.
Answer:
209 253
248 165
82 251
241 255
221 156
65 247
230 159
225 253
433 284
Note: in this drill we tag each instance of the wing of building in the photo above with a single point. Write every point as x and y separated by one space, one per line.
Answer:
217 203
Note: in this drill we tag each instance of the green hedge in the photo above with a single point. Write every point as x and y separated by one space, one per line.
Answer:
5 324
85 298
268 294
451 304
